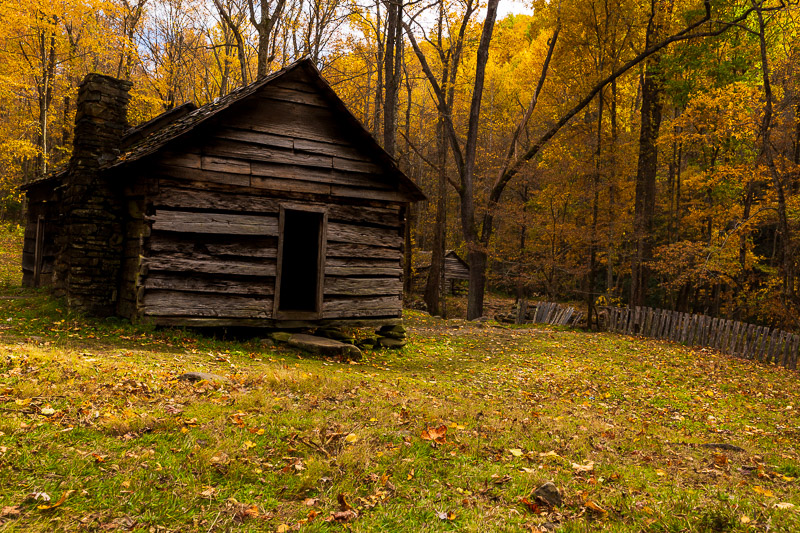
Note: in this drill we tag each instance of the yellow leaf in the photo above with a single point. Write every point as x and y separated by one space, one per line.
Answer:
784 505
283 528
764 492
249 444
48 411
745 519
61 500
516 452
260 432
351 438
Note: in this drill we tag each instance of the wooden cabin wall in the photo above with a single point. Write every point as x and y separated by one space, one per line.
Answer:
41 203
211 257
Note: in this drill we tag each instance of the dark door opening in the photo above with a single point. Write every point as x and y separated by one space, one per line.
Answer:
300 267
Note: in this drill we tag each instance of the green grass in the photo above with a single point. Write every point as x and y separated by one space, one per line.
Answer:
91 409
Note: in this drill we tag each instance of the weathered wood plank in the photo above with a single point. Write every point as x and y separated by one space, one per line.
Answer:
362 286
240 268
341 249
349 180
174 303
182 245
215 223
242 151
254 137
264 287
349 233
199 176
359 307
271 323
286 94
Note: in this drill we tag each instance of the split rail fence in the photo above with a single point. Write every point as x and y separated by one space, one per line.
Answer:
746 341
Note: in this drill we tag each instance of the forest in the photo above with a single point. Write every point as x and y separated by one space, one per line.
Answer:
604 151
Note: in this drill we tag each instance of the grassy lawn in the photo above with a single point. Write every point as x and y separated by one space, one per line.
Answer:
637 435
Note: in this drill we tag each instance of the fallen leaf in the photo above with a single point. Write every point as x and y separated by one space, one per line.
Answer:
764 492
344 505
60 501
48 411
283 528
589 504
781 505
720 459
745 519
436 435
449 515
249 444
516 452
351 438
532 507
11 511
344 516
588 467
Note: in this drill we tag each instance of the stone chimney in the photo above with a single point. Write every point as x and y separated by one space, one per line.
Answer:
90 244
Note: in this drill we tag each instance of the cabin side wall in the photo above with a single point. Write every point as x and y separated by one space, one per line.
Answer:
39 248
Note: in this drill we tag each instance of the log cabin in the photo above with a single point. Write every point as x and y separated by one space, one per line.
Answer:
270 207
456 271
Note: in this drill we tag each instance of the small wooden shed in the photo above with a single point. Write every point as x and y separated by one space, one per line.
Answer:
455 270
272 206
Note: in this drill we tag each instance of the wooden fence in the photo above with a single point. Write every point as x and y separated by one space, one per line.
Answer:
746 341
555 314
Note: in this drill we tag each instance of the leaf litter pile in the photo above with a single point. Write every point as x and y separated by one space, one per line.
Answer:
469 428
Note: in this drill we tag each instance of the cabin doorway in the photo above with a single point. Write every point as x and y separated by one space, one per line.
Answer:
301 262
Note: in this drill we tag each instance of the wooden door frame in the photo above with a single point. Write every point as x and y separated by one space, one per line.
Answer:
322 252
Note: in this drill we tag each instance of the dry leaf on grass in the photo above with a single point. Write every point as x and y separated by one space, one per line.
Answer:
436 435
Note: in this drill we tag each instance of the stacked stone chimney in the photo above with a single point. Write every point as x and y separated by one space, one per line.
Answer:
90 244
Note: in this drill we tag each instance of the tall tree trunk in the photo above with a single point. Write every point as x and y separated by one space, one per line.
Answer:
433 288
392 59
645 201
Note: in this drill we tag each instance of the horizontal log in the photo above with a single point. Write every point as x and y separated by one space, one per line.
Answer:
362 287
174 303
182 245
354 271
247 152
182 198
288 94
356 166
255 137
199 177
340 249
290 185
322 175
358 307
352 234
215 223
271 323
265 287
330 149
239 268
217 183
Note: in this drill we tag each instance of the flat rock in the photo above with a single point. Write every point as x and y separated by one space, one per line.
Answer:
201 376
324 346
281 336
397 330
548 495
389 342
